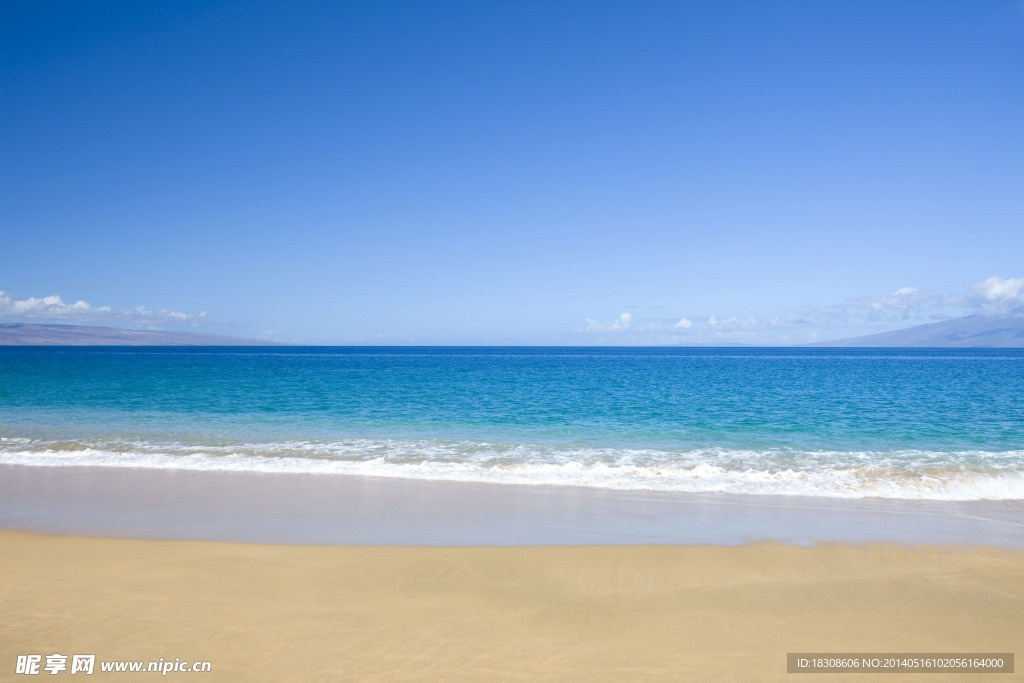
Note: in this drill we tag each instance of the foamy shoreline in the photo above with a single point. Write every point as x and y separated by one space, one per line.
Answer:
904 474
299 509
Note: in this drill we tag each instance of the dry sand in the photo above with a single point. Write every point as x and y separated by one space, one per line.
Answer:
262 612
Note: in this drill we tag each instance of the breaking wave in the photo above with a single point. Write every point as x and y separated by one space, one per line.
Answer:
902 474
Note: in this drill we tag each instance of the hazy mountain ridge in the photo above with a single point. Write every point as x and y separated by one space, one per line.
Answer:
23 334
1004 331
972 331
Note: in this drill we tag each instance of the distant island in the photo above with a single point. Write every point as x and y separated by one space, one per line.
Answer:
21 334
1004 331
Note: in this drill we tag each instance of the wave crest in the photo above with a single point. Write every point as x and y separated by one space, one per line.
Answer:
907 474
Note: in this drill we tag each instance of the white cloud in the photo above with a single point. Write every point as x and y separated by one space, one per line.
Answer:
994 295
672 331
904 307
728 324
905 301
903 304
47 306
997 294
620 324
54 309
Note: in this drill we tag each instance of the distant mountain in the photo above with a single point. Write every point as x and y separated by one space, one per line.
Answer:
20 334
972 331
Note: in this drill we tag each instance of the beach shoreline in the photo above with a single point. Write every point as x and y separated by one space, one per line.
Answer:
311 577
301 509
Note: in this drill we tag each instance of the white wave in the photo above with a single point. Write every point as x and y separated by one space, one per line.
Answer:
908 474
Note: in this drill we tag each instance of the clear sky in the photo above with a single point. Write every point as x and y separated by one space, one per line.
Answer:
488 172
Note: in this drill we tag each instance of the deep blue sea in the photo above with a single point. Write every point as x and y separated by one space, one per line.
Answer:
896 423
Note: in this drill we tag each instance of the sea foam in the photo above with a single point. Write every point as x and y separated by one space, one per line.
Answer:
902 474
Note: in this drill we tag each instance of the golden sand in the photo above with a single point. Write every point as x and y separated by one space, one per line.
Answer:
259 612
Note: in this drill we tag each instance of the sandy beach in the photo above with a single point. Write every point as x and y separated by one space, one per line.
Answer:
260 612
290 577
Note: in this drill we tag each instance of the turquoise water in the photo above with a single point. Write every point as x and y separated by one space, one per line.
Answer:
920 423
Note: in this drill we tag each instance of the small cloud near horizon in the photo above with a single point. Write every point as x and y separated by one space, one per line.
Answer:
907 305
619 325
54 309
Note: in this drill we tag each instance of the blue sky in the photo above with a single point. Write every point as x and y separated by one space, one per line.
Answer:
511 172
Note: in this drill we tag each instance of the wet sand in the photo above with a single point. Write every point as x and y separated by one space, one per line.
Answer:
301 509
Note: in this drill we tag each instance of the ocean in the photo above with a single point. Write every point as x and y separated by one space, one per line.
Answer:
926 424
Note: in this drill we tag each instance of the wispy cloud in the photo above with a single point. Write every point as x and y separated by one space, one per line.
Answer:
905 303
684 330
54 309
731 324
621 324
993 295
907 306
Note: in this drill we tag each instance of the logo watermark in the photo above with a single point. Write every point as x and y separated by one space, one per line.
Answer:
33 665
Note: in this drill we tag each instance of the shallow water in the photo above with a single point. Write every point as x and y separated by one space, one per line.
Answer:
850 423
